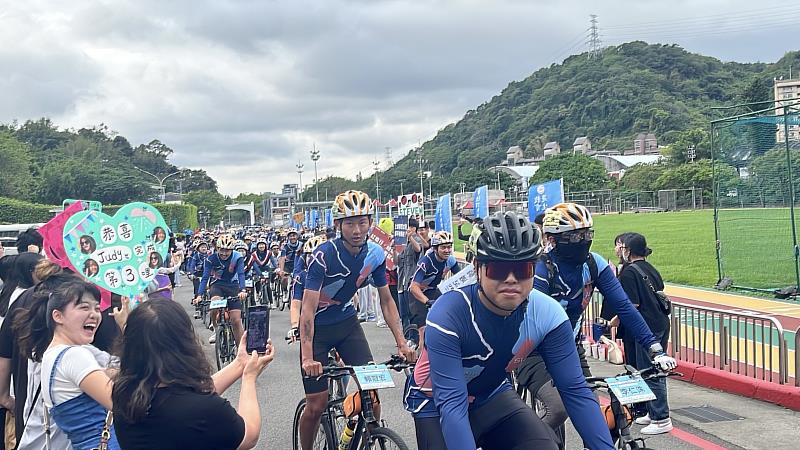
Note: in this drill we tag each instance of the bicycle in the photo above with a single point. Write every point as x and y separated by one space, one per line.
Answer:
225 347
624 390
265 291
367 432
282 292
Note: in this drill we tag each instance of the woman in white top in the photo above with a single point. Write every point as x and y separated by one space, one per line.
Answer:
75 386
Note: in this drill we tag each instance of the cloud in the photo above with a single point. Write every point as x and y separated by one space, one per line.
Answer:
244 89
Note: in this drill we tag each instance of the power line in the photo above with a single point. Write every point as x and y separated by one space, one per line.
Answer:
733 16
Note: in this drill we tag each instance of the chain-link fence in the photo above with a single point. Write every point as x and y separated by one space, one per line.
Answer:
756 177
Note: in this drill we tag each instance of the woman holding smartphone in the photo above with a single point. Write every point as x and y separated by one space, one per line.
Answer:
165 396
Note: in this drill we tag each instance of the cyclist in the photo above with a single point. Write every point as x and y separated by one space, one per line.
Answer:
223 273
289 252
569 272
298 284
337 269
478 334
261 262
196 262
431 268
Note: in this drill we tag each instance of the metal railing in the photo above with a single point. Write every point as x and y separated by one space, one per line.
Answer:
746 344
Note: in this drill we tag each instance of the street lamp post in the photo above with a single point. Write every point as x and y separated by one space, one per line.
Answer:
419 160
300 166
377 165
160 180
315 158
401 180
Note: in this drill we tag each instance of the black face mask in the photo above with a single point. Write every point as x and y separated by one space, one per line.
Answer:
572 253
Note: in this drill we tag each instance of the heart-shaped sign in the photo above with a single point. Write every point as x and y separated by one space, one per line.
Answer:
120 253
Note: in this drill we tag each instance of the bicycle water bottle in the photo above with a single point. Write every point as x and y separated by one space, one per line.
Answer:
347 435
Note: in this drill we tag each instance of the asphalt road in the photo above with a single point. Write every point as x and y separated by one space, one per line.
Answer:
280 387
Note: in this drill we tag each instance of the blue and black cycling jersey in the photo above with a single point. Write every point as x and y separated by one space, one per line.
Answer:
470 353
572 287
337 274
196 263
290 251
262 262
229 272
431 270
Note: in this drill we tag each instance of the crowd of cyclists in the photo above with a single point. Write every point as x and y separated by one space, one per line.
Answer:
74 376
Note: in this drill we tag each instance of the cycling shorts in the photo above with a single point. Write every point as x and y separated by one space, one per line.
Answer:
418 310
348 338
226 290
504 423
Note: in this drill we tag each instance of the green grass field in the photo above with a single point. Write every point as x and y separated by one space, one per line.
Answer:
683 244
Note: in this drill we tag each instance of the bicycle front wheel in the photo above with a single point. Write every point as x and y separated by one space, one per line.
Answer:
221 346
319 440
381 438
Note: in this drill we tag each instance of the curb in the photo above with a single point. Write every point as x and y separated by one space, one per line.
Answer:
780 394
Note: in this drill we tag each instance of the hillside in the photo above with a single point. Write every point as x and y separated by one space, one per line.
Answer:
631 88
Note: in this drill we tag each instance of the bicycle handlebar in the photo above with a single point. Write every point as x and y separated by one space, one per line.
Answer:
649 373
395 362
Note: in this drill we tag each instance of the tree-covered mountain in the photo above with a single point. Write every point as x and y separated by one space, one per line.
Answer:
632 88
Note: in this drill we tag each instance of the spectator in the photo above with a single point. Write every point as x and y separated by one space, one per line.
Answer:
23 340
20 277
29 241
76 388
634 252
165 388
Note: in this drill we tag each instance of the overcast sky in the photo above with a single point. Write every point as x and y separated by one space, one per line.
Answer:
243 89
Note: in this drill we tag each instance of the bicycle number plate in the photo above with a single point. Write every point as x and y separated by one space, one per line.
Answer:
248 283
219 303
630 390
374 376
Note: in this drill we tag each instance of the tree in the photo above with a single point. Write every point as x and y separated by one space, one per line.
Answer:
15 160
212 201
697 138
699 175
580 172
642 177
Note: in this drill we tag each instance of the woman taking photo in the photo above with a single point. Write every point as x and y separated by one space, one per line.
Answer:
165 396
75 386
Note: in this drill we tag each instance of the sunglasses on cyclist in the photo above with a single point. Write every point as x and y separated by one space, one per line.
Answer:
499 270
573 237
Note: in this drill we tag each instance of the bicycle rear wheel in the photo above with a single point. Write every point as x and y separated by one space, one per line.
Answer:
283 298
319 440
381 438
221 345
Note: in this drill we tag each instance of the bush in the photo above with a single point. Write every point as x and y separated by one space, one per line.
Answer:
18 211
178 217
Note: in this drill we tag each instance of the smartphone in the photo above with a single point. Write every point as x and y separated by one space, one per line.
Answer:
257 328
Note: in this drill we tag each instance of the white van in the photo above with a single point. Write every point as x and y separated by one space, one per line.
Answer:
9 234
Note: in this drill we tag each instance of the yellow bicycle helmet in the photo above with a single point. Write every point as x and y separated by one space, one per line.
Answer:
225 242
352 204
441 237
565 217
313 243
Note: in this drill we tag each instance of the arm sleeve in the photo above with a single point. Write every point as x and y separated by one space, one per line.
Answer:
612 292
316 272
449 386
190 264
206 274
454 267
561 358
240 273
379 275
541 278
420 274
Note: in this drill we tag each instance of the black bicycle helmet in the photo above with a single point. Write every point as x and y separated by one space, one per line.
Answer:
505 236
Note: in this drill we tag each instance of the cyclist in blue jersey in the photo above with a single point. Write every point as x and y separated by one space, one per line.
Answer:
460 393
569 272
337 269
437 262
298 286
194 267
289 252
224 275
261 262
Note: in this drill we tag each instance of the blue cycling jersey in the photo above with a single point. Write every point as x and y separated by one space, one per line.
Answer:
336 274
196 262
572 287
431 270
289 251
471 351
262 262
225 271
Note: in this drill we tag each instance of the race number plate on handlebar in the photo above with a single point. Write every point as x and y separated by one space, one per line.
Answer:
248 283
630 389
218 303
374 376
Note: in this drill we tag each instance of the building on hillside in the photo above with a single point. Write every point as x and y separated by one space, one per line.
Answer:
645 144
551 149
787 92
582 145
616 164
278 208
514 154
